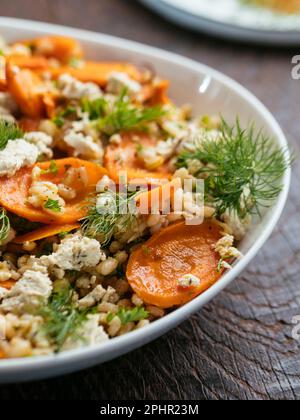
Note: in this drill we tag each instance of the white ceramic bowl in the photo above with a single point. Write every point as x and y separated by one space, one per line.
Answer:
209 92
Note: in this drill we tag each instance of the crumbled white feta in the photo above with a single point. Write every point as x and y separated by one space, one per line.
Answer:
74 89
92 298
42 141
29 293
225 248
76 253
17 154
117 82
84 146
189 280
89 334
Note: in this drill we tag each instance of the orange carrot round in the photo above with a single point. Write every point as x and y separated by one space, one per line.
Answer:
155 268
124 158
97 72
60 47
14 191
45 232
25 86
8 284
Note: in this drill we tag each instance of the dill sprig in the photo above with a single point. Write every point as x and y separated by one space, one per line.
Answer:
243 170
9 131
4 225
53 205
129 315
61 317
125 116
111 213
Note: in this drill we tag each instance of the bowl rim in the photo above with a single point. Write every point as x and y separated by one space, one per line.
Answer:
140 337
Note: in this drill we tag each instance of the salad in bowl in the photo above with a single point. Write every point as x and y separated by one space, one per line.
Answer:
116 205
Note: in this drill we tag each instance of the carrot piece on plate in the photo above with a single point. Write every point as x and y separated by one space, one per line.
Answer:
160 198
155 268
27 89
46 232
14 191
124 157
8 284
60 47
97 72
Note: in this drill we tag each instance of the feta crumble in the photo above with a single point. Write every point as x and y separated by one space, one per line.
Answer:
118 81
225 248
72 88
29 293
42 141
17 154
76 253
84 146
89 334
189 280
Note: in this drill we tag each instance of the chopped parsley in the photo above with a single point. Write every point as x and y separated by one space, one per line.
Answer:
9 131
53 169
129 315
53 205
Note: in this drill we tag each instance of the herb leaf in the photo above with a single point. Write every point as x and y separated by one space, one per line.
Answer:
126 116
61 318
130 315
53 169
9 131
112 214
53 205
96 108
4 225
242 170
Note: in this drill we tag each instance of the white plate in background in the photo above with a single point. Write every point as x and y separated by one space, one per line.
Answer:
208 91
231 19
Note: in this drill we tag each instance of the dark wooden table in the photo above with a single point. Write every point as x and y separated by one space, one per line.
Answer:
240 346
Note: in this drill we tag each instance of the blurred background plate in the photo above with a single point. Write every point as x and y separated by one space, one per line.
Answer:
231 19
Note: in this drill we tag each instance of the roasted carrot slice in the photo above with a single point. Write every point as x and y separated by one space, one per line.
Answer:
2 354
46 232
160 198
95 72
156 93
29 124
27 89
124 158
155 268
14 192
8 284
30 63
59 47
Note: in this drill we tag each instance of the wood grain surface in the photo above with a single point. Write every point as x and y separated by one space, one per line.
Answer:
240 346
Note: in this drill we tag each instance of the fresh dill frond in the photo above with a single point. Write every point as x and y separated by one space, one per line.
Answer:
61 318
243 170
125 116
60 119
96 108
9 131
53 205
4 225
129 315
111 213
53 169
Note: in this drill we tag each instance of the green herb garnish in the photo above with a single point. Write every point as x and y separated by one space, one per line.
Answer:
9 131
242 170
96 108
125 116
53 205
129 315
59 119
61 318
112 214
4 225
53 169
